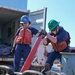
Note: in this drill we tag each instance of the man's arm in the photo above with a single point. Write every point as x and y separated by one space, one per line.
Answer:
52 38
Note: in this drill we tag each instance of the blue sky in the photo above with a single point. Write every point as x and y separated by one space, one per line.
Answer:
60 10
16 4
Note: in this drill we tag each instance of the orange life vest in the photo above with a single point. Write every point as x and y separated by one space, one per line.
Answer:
59 47
24 37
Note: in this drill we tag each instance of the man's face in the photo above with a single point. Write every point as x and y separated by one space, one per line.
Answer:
54 31
26 25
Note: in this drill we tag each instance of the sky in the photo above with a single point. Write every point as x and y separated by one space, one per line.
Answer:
60 10
14 4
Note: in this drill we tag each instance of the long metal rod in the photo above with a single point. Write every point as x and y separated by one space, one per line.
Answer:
44 16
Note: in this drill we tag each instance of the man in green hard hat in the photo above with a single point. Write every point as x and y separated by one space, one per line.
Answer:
60 40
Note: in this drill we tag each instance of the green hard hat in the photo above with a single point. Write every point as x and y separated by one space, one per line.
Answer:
52 24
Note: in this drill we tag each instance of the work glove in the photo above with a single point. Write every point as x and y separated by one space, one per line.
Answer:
42 32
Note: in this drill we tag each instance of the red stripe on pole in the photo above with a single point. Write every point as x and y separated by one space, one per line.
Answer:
30 57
